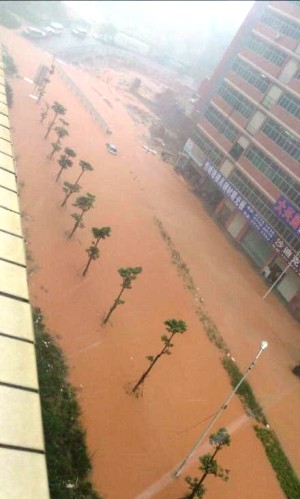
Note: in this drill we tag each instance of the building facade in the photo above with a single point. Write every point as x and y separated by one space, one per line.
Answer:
244 156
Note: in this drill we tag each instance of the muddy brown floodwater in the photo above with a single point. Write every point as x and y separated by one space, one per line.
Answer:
136 443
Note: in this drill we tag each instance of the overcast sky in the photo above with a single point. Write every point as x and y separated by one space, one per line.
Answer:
182 16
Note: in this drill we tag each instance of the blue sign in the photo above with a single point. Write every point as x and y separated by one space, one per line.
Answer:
288 214
240 202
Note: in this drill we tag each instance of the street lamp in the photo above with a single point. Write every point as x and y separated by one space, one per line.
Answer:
263 346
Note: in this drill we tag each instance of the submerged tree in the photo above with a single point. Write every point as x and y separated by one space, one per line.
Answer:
69 189
44 113
83 203
93 250
85 166
173 327
63 122
61 133
209 465
58 109
128 275
70 153
55 148
64 163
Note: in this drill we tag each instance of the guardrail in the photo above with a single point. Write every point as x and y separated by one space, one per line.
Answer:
82 98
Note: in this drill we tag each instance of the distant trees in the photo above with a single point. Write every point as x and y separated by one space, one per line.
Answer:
64 163
61 133
69 189
128 275
10 67
9 94
70 153
173 327
42 89
209 465
58 109
83 203
55 148
45 112
85 166
93 251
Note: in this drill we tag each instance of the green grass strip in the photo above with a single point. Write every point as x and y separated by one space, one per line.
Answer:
244 391
68 462
285 474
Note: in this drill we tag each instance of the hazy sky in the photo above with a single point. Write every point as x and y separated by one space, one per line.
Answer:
184 16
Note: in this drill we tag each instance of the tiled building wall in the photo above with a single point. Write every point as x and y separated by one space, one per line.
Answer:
23 472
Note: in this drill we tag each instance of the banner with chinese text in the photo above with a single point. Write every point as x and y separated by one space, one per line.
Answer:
253 217
288 214
240 202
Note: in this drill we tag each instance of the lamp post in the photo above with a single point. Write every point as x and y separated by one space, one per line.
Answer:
263 346
280 276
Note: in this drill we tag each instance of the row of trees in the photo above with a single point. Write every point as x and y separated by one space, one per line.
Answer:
82 203
173 327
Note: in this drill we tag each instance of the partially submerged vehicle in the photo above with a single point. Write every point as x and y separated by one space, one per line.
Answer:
112 148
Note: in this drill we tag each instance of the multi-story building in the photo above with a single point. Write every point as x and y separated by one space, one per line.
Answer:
244 155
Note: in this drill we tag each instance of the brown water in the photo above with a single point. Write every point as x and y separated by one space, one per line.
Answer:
136 443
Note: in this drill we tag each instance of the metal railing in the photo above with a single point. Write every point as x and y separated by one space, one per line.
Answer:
82 98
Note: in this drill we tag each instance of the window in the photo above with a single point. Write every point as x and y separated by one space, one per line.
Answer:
208 148
274 173
272 96
221 124
266 50
282 25
282 138
263 206
255 78
290 103
236 151
236 100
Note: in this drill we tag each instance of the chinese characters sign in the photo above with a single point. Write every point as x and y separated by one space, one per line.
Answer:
287 254
288 214
239 201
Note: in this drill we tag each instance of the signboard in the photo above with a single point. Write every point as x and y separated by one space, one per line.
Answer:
288 214
287 254
240 203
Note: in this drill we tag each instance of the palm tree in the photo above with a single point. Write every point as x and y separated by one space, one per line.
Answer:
58 109
70 153
55 148
83 203
93 250
69 189
64 163
61 133
85 166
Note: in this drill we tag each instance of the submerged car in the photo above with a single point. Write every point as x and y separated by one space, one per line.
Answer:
111 148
